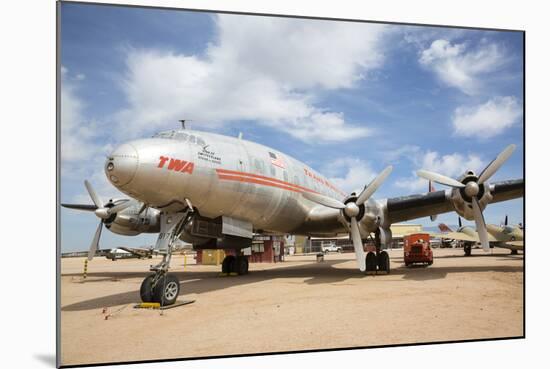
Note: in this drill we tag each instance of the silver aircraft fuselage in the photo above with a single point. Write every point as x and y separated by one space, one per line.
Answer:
226 176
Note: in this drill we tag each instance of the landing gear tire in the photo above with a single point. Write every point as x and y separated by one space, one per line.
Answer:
370 262
242 265
467 250
228 264
514 252
384 262
146 289
166 290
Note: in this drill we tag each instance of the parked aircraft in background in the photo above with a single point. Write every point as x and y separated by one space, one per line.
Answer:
503 236
215 191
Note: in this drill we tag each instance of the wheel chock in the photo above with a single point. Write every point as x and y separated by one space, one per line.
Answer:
147 305
233 274
156 305
223 275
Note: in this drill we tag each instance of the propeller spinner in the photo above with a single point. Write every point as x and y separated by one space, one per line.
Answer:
472 189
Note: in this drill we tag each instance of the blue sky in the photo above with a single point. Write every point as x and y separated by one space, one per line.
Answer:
346 98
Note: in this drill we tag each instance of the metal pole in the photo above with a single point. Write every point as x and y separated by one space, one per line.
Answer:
85 268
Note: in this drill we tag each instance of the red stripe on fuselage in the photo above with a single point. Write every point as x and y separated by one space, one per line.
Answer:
259 179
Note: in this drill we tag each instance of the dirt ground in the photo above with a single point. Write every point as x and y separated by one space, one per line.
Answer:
295 305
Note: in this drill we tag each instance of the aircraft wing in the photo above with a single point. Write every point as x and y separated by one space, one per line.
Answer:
142 253
455 236
515 243
400 209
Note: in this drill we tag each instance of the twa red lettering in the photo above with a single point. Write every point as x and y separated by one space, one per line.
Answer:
162 161
176 165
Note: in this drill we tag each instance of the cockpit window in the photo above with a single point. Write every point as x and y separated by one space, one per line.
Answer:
180 136
165 134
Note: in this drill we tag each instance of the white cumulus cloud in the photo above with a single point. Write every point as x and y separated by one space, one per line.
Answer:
488 119
349 173
77 132
263 70
461 67
452 165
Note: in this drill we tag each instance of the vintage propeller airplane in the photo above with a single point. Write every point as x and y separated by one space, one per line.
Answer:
215 191
503 236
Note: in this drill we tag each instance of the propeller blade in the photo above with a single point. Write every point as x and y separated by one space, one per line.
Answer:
118 208
459 222
324 200
480 225
95 242
84 207
496 163
97 201
439 178
506 220
358 245
373 186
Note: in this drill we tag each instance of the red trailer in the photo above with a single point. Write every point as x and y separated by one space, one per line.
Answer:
417 249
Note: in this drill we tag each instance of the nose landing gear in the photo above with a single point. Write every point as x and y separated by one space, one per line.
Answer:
164 287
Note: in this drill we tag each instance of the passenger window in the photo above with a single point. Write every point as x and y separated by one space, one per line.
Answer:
272 171
285 176
258 165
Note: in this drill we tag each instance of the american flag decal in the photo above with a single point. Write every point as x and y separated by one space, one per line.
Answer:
275 160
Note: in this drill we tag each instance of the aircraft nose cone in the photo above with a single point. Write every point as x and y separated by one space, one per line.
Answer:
121 165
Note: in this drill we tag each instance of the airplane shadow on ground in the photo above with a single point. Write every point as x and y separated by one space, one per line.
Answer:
195 282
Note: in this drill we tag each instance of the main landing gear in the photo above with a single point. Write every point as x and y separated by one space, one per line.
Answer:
163 287
378 261
235 264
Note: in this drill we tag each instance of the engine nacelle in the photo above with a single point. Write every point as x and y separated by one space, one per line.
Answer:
130 223
462 202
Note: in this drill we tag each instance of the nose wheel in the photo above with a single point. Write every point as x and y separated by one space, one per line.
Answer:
162 289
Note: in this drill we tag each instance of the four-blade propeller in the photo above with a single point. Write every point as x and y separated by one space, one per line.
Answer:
352 209
471 188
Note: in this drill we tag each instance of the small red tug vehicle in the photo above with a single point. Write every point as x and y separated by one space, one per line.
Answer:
417 249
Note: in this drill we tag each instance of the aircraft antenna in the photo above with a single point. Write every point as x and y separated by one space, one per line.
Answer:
182 121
